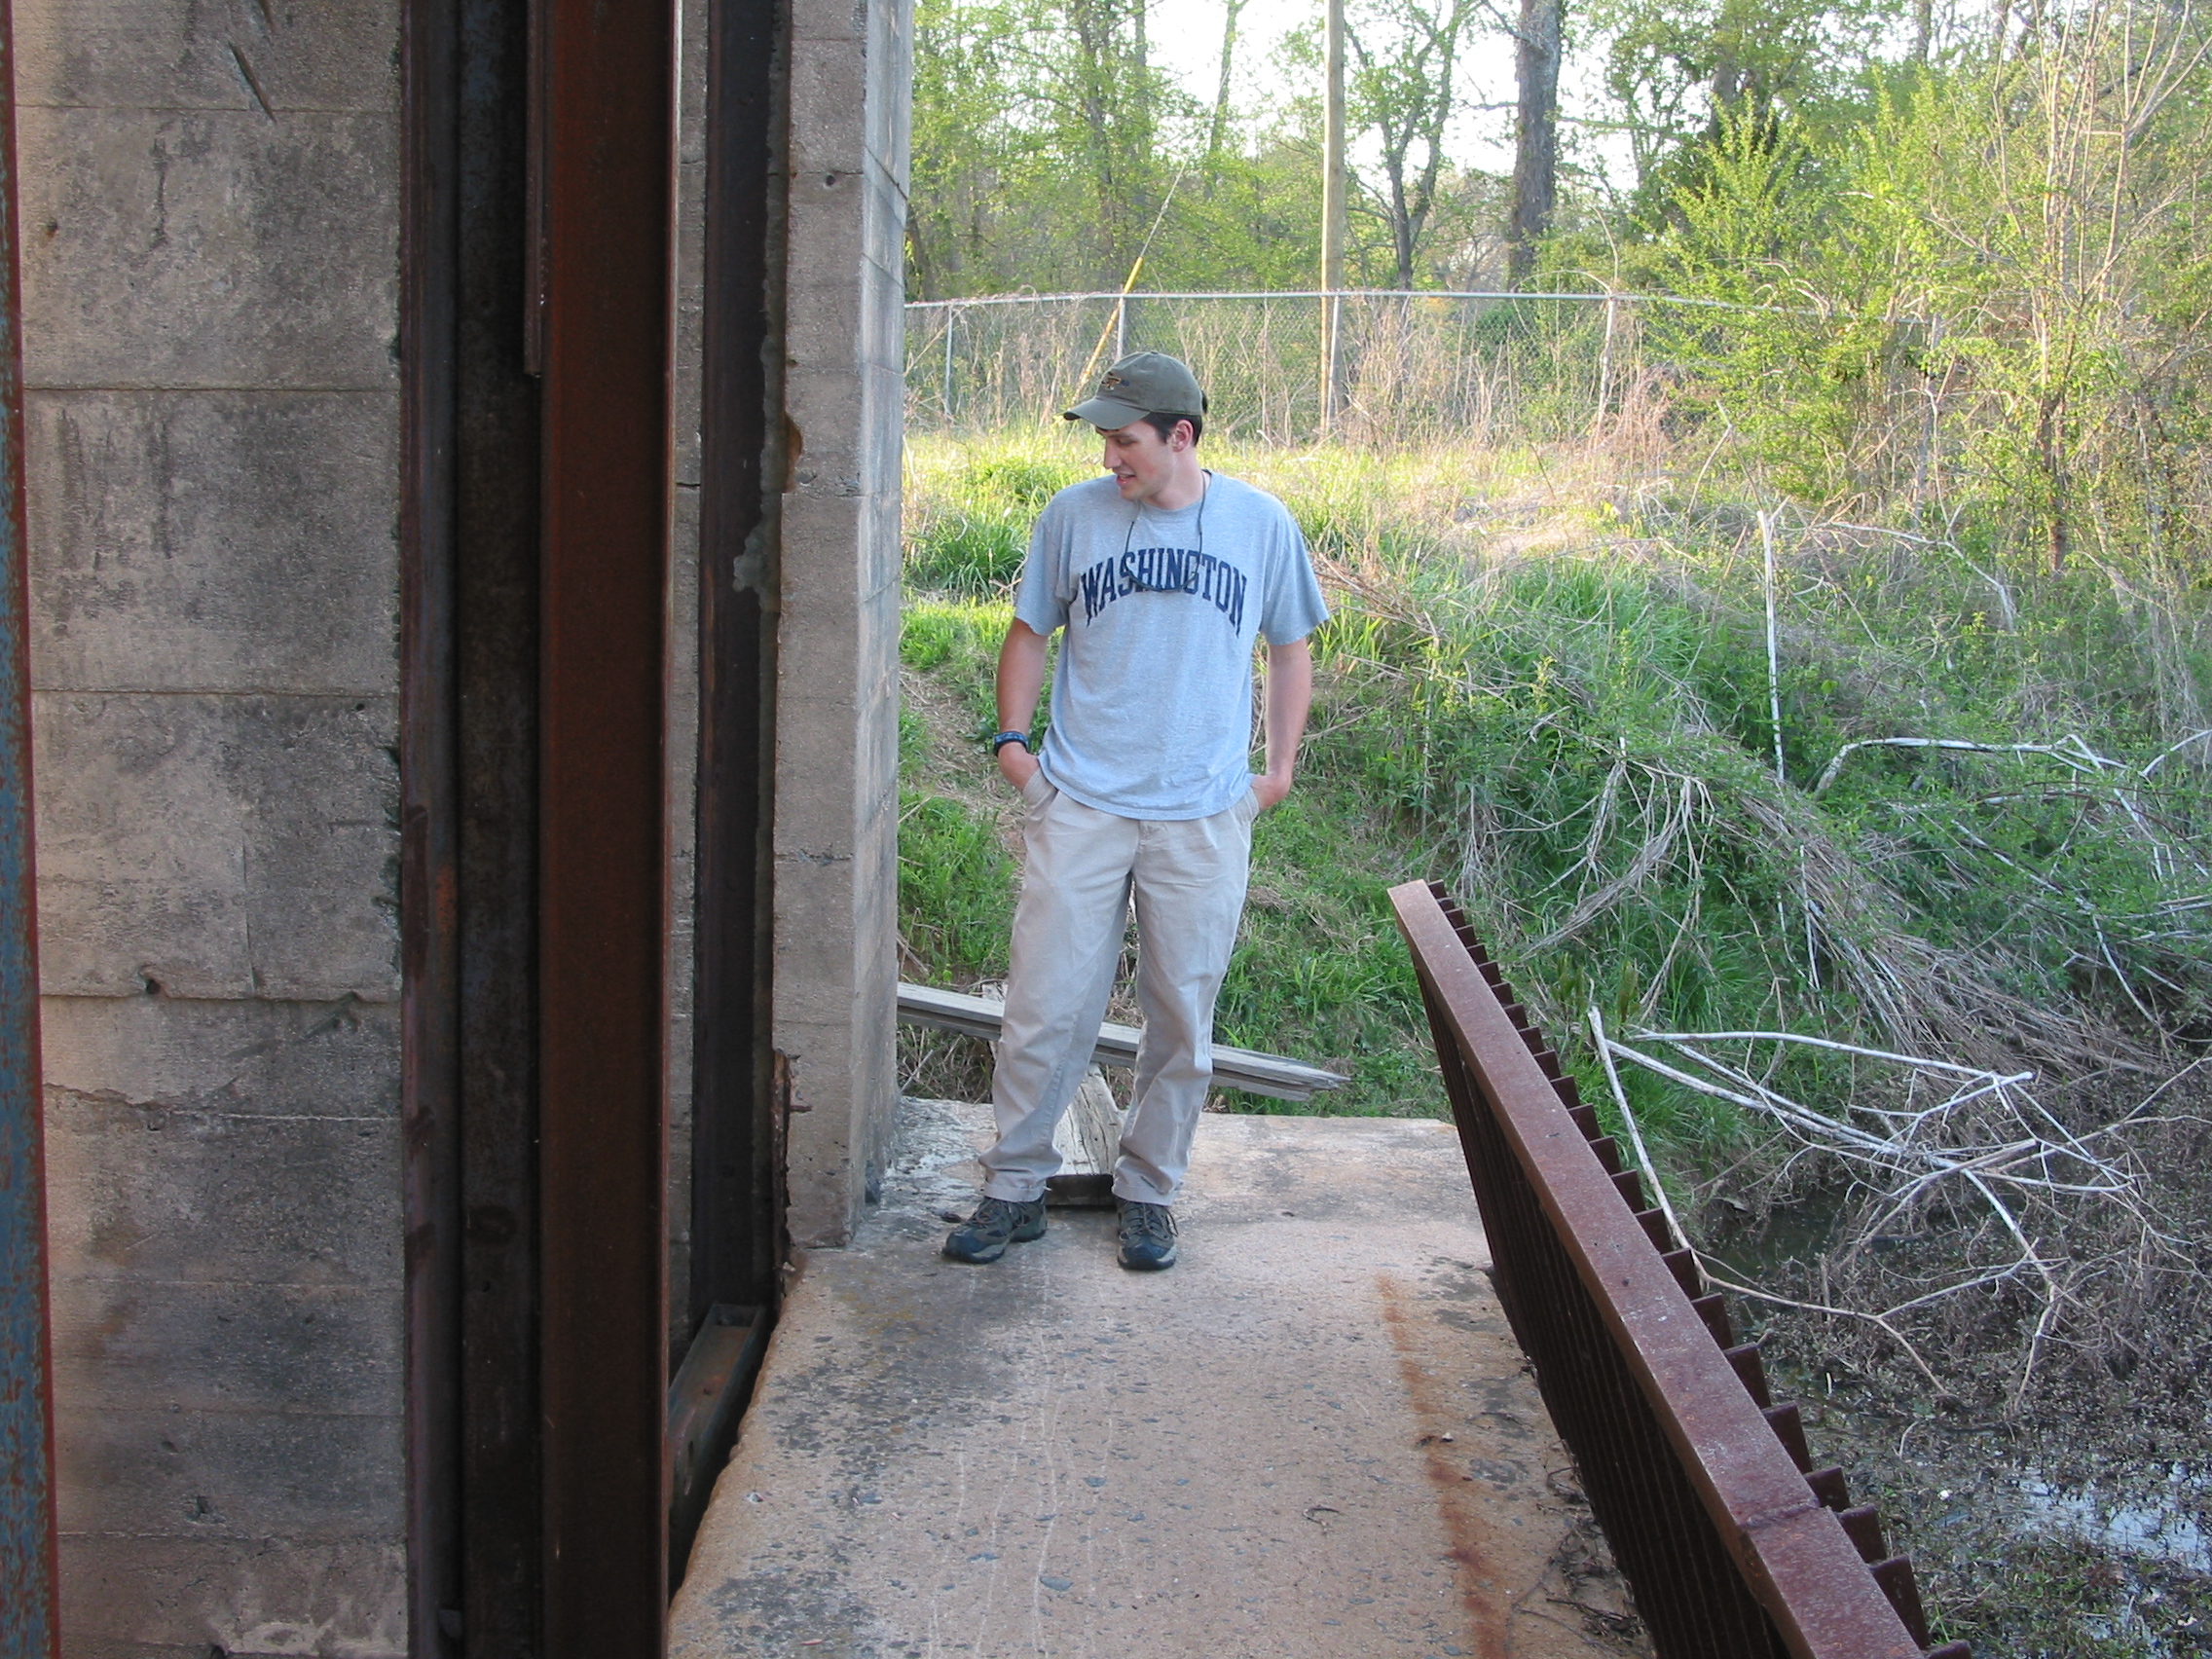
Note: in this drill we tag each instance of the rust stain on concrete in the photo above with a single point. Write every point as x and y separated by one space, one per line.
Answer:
1473 1545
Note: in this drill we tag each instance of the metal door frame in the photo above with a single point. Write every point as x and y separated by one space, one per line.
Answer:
535 346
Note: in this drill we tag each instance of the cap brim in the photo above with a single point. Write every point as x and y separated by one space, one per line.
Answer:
1106 413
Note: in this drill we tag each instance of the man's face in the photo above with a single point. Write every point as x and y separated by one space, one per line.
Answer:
1140 460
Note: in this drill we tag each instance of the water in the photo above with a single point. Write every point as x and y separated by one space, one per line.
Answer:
2153 1519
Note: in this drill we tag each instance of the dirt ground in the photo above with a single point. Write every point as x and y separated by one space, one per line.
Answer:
2069 1518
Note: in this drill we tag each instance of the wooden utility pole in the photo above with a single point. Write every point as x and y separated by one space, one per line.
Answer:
1333 221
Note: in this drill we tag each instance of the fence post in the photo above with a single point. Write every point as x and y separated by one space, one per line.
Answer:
1604 369
951 320
1120 327
1332 356
1773 653
1930 392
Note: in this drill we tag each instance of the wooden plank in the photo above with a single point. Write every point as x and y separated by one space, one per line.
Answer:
1089 1136
1276 1076
1088 1140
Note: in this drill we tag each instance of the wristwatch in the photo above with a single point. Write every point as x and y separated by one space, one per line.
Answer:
1006 737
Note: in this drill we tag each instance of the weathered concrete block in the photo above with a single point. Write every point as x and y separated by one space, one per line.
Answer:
815 942
123 1345
821 543
824 1180
823 328
816 812
208 542
180 55
875 774
833 21
164 249
217 846
877 614
147 1195
337 1059
828 222
140 1597
241 1475
818 621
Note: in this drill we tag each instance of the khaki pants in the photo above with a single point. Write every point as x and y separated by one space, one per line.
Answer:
1081 868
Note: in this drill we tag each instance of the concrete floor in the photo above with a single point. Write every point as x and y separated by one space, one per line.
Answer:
1314 1437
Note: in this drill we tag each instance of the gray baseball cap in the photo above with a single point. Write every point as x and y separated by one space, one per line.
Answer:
1144 382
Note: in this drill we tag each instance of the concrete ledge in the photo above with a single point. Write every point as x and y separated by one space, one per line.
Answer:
1314 1437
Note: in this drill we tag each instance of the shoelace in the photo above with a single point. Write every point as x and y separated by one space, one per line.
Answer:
1150 1221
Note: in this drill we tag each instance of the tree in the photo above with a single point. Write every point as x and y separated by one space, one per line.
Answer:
1679 68
1219 126
1535 138
1406 90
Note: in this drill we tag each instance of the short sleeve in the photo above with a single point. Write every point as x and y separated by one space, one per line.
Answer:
1293 607
1038 600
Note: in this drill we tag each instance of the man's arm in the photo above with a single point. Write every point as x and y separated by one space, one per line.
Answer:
1021 678
1290 694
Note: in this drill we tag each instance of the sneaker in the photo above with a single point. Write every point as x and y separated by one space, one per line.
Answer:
984 1236
1148 1236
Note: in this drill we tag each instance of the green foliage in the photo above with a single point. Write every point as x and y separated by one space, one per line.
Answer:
956 888
1984 296
1567 719
956 641
1683 71
968 527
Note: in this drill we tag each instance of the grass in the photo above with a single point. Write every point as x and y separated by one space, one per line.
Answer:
1549 688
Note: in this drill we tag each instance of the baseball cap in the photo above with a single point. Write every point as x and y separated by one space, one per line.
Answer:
1145 382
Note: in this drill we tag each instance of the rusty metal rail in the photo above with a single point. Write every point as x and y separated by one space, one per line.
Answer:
1734 1543
29 1628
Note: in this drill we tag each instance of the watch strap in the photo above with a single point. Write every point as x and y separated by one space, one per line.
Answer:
1004 738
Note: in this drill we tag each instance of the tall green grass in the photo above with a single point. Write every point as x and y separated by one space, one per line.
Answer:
1550 689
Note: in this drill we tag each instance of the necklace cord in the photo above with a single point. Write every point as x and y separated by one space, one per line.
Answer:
1205 489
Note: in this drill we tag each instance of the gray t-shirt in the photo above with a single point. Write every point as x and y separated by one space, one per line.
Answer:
1151 700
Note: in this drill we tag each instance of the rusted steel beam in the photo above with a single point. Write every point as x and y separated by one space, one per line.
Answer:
468 883
605 142
1732 1547
737 1163
429 929
29 1624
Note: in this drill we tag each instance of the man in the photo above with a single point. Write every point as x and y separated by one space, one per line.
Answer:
1165 577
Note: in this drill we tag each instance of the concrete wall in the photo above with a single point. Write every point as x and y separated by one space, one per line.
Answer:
837 643
209 209
210 222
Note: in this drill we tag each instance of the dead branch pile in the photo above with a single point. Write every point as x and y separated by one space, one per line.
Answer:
2055 1227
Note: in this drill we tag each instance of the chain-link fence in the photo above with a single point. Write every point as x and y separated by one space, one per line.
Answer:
1485 367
